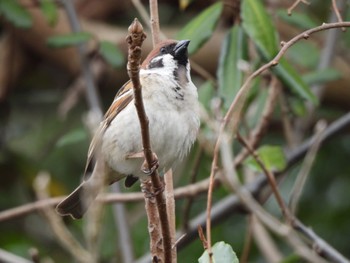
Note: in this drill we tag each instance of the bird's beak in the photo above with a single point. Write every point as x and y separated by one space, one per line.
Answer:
180 49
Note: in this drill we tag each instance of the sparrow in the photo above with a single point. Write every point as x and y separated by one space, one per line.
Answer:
171 104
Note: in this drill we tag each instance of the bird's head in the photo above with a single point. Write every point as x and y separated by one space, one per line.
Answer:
168 54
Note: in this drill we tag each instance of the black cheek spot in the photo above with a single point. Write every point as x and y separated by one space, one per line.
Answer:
156 64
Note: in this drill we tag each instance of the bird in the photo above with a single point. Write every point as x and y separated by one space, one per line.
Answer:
171 104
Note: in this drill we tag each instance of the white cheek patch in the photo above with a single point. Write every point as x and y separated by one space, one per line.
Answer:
169 61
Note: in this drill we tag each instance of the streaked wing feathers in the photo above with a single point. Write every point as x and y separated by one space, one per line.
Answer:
121 100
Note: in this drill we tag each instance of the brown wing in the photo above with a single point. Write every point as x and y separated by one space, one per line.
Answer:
121 100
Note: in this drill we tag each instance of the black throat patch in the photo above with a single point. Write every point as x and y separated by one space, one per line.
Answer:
181 76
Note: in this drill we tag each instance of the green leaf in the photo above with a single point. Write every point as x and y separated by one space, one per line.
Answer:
257 107
49 10
321 76
222 253
300 20
72 137
271 156
206 93
112 54
297 106
15 13
258 25
67 40
199 29
230 76
293 258
293 80
305 54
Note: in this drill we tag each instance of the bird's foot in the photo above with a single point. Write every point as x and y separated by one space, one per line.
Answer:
154 165
152 193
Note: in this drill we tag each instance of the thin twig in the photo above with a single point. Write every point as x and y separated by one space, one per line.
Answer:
92 228
124 235
187 206
264 241
62 233
202 237
92 95
270 177
142 11
233 114
170 205
319 245
135 39
231 205
75 90
337 13
34 255
255 208
144 16
205 74
326 58
305 169
247 241
153 6
6 256
295 4
91 71
288 131
261 127
191 190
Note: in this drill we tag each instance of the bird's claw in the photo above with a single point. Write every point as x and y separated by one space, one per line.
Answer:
154 193
154 165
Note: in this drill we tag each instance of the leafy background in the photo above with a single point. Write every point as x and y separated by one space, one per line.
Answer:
42 129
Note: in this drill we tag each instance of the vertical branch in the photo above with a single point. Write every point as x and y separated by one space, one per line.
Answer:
124 232
170 205
93 223
92 96
154 228
193 176
337 13
168 176
295 4
135 39
153 4
93 99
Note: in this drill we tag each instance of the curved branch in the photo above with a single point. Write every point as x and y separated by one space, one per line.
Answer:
232 204
233 113
191 190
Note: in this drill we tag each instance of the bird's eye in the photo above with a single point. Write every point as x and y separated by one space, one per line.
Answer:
163 50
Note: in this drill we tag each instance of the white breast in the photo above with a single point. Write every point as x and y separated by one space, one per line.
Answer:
173 127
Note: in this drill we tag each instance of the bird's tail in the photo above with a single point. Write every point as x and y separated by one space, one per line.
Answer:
77 202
